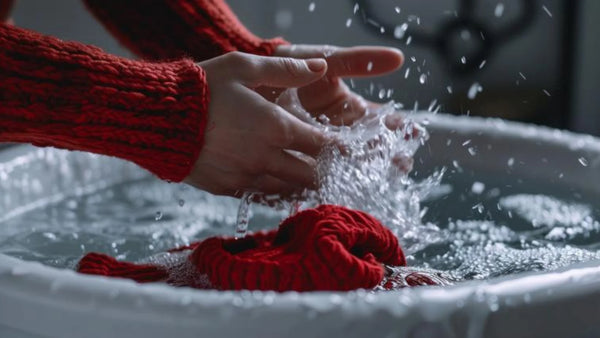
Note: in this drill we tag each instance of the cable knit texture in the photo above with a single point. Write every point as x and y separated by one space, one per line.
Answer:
169 29
327 248
69 95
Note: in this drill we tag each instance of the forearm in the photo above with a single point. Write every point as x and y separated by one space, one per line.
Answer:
169 29
68 95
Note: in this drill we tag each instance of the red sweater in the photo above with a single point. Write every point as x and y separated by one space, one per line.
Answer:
74 96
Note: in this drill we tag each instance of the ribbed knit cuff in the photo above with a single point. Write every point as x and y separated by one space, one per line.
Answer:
73 96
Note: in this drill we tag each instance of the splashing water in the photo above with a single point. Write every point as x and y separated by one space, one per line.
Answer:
367 169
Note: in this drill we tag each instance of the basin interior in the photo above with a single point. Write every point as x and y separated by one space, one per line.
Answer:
520 201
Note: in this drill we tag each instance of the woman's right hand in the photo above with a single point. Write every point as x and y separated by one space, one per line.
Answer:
247 138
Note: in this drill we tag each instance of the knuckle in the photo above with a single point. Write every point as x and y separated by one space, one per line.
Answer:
292 66
282 135
238 59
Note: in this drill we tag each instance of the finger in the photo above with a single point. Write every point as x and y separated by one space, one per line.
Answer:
352 61
283 72
340 105
364 61
287 167
288 131
305 138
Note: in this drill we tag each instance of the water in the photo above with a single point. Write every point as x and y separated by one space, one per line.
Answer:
454 224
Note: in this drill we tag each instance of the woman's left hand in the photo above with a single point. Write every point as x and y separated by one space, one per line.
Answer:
330 95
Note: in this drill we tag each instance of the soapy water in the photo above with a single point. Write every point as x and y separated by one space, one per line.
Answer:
451 225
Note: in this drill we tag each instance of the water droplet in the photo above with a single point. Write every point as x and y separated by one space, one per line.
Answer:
482 64
284 19
547 10
477 188
546 92
499 10
369 66
407 73
475 89
397 9
522 76
355 9
348 22
511 162
158 216
583 161
181 202
311 7
423 78
463 60
449 89
399 31
243 216
49 235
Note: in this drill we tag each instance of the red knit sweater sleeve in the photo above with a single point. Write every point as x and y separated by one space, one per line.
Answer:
73 96
169 29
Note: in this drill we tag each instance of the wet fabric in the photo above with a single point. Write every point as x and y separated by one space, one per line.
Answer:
326 248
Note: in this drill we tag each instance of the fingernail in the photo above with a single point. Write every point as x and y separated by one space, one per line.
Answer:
316 65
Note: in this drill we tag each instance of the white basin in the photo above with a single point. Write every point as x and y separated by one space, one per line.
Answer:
41 301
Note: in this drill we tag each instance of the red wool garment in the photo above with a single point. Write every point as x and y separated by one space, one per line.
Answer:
69 95
327 248
171 29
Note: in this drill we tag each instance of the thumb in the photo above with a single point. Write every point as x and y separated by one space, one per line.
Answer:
284 72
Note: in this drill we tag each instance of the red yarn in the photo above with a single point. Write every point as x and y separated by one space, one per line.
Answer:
73 96
327 248
169 29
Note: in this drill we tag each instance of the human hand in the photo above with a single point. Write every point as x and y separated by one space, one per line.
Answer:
330 95
247 138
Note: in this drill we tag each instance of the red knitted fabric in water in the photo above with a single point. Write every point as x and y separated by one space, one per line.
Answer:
327 248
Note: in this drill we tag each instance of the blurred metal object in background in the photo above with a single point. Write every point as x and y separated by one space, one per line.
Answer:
463 41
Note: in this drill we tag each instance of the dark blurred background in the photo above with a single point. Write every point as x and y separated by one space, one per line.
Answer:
527 60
